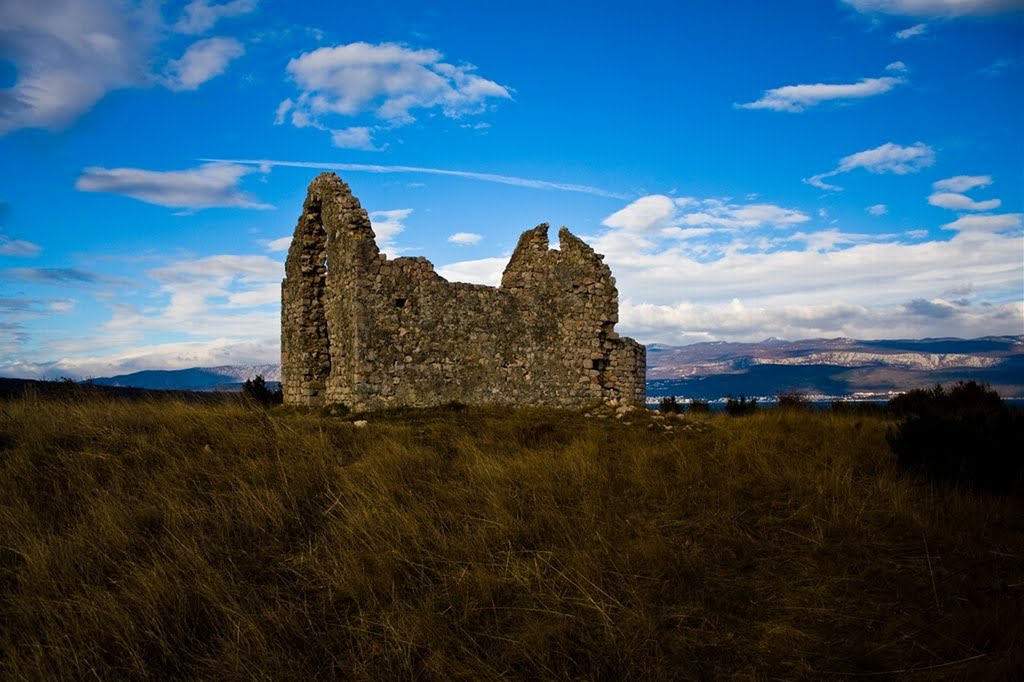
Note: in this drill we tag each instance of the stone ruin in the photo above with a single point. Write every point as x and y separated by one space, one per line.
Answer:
369 332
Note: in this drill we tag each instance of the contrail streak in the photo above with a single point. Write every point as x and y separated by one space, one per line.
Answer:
373 168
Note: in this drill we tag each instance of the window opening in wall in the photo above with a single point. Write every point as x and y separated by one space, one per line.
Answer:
599 365
399 302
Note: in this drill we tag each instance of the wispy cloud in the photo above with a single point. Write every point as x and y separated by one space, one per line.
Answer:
1002 66
18 248
470 175
911 32
280 244
357 137
208 311
961 202
202 61
937 8
35 305
387 225
465 238
987 223
68 55
54 275
200 16
797 98
666 216
210 185
962 183
887 158
949 193
878 209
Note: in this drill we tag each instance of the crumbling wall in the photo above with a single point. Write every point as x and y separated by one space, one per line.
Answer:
369 332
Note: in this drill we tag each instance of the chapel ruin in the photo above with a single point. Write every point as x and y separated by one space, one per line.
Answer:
369 332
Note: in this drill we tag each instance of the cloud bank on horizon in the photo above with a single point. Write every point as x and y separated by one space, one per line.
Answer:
156 157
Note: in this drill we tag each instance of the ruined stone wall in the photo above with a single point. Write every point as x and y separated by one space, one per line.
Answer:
360 329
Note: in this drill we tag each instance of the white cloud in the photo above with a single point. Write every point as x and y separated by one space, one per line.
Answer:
209 311
949 193
387 225
962 183
68 54
887 158
282 111
841 285
890 158
209 185
18 248
937 8
204 295
465 238
265 164
744 285
482 271
387 81
878 209
797 98
247 268
912 32
353 138
657 213
961 202
202 61
200 15
987 223
280 244
716 213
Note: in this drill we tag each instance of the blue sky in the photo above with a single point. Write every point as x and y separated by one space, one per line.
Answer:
798 169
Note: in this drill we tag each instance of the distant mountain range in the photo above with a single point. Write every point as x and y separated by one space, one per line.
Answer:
833 368
224 378
822 368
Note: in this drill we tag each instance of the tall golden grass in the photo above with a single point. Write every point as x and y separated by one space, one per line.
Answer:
164 539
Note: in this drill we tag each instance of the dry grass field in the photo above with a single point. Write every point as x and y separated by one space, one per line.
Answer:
163 538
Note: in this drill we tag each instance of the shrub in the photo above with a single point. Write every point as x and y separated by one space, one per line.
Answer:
858 407
966 435
256 390
794 401
698 406
736 408
669 405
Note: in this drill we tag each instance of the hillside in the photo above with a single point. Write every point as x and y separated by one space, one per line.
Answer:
223 378
833 367
164 539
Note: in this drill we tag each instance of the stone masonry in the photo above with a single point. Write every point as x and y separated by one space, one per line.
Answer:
370 332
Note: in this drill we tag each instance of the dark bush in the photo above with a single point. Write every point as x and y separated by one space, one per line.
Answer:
737 407
966 435
794 401
669 405
858 407
698 406
256 389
